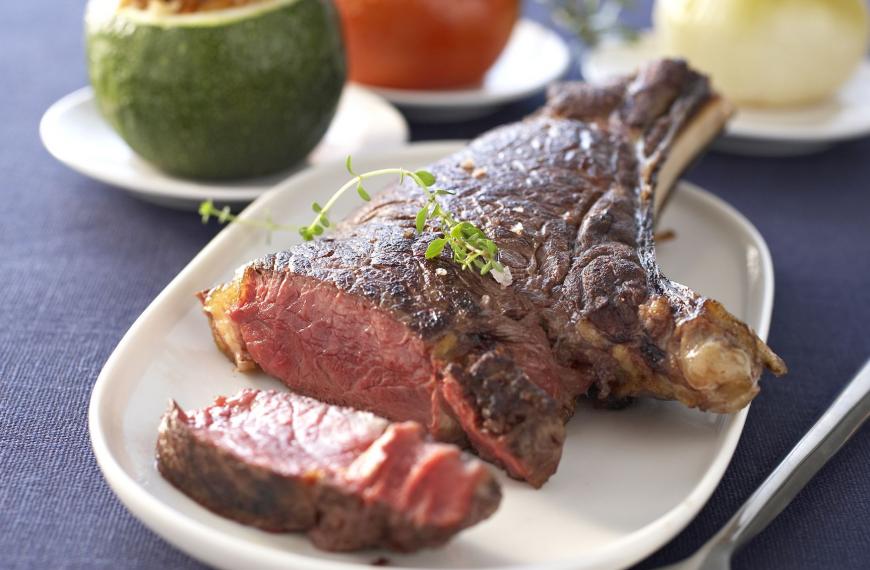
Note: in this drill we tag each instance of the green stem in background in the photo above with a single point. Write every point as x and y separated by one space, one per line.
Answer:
591 20
207 210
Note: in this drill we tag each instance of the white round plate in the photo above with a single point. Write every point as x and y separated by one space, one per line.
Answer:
75 133
533 58
757 131
629 480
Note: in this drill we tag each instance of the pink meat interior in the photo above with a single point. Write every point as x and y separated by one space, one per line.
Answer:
336 347
291 435
432 484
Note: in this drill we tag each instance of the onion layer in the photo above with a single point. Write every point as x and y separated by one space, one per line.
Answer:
767 52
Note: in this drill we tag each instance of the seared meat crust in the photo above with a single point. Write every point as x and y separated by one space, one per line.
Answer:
569 196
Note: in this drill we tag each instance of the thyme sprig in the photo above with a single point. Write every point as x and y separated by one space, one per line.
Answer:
207 211
470 246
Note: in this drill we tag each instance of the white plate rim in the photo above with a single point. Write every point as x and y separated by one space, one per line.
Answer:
220 550
479 97
171 187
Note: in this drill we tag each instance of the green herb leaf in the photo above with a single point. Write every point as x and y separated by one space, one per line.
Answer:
420 222
362 192
205 210
457 231
224 214
471 248
426 177
436 246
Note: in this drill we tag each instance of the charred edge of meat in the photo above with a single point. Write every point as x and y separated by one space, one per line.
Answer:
217 480
707 360
583 101
696 353
502 413
719 359
609 402
508 409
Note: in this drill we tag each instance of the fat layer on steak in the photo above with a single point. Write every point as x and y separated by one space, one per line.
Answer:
361 318
283 462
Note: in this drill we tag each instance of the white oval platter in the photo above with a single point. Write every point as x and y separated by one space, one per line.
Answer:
629 480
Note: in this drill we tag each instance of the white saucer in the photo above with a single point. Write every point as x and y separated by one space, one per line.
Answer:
75 133
757 131
534 57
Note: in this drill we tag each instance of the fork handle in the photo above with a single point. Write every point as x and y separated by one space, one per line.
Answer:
830 432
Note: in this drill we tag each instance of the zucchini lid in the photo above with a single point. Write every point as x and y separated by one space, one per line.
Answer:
98 11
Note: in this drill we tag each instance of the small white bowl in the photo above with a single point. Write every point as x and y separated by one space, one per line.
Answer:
533 58
757 131
75 133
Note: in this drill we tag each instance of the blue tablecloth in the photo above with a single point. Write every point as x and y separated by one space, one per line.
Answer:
80 261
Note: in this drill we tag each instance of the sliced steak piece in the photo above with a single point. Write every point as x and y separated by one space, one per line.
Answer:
361 318
287 463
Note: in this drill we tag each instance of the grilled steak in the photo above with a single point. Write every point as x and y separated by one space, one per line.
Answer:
360 318
351 480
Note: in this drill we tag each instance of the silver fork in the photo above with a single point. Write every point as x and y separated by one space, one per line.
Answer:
825 438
